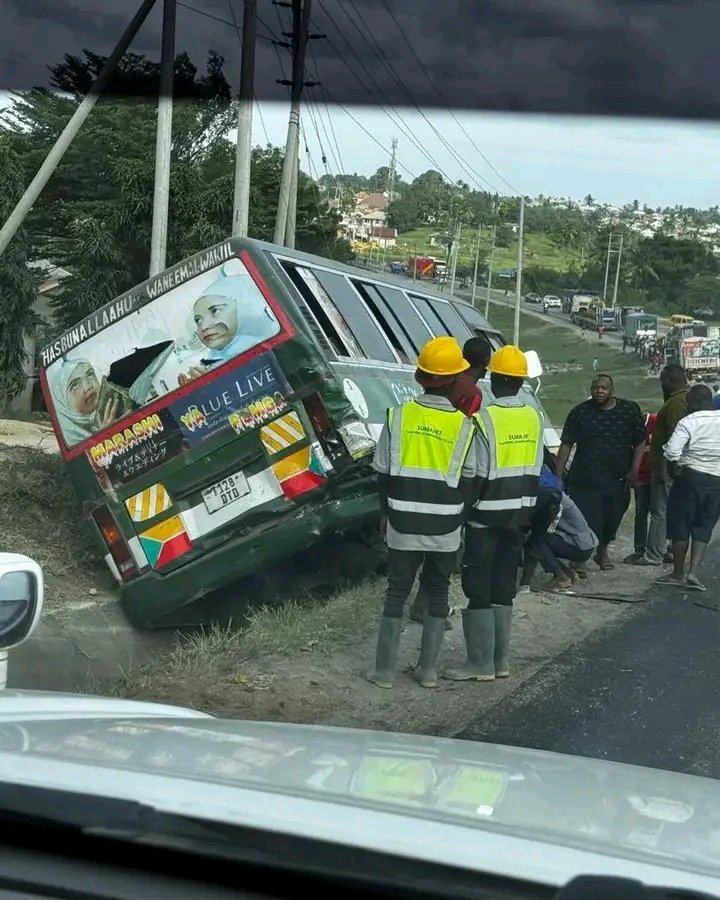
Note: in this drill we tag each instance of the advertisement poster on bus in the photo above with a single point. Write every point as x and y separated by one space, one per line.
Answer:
164 344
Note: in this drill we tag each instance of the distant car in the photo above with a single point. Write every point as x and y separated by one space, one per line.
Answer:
533 298
552 302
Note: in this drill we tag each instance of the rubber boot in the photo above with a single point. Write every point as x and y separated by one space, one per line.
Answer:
503 627
387 652
419 608
430 646
479 632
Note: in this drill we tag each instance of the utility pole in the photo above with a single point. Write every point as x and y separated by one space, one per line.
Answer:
292 205
617 272
490 272
414 262
607 265
243 153
392 169
477 260
455 259
615 243
163 142
518 277
52 160
301 26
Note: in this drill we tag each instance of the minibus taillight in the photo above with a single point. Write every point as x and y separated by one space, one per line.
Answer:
117 545
324 428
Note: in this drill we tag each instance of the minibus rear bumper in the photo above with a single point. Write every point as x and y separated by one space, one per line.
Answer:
154 599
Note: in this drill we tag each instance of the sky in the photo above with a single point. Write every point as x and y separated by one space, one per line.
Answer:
618 58
660 163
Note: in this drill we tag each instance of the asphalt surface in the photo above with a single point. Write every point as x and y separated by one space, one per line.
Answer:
645 691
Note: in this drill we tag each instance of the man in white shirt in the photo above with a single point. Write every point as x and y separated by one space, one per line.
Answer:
693 506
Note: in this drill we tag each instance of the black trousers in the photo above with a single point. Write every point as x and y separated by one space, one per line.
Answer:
402 568
602 507
490 566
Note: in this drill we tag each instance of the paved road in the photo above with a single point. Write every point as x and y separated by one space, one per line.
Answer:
646 691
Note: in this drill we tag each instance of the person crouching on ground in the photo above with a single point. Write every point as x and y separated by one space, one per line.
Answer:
425 460
509 455
569 540
693 506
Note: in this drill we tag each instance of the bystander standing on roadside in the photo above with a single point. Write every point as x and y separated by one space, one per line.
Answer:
674 386
608 434
642 490
694 502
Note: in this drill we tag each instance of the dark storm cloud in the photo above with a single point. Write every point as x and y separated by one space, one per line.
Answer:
652 57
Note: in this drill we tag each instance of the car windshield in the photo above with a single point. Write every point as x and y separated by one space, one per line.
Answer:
271 277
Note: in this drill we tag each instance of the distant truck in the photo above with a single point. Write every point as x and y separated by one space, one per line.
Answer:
593 314
640 324
427 267
700 355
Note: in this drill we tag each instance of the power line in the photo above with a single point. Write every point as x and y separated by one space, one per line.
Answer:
469 171
201 12
439 93
404 128
327 113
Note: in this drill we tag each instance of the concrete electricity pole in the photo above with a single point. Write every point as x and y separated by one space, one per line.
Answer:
455 259
477 260
607 266
292 205
34 189
617 272
518 277
490 271
301 26
243 154
163 142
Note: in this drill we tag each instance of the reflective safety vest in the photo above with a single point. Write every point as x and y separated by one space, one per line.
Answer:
514 435
428 448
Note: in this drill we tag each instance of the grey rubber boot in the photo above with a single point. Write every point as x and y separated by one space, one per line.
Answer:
386 655
430 646
479 632
503 627
419 608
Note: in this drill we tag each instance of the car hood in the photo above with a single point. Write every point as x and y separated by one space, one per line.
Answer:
525 813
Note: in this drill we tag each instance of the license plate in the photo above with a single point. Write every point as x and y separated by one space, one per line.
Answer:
225 492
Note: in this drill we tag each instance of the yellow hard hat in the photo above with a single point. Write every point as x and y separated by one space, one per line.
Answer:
442 356
509 360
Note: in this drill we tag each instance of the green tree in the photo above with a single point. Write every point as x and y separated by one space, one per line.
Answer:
18 283
699 293
95 215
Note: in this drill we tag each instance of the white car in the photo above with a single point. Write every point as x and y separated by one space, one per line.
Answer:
552 302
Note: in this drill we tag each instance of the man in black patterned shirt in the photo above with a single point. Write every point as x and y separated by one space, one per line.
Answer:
609 439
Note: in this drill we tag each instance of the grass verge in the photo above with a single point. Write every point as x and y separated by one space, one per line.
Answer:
41 517
220 654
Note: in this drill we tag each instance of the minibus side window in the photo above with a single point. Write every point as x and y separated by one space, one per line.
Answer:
430 315
332 325
366 330
387 319
405 313
452 321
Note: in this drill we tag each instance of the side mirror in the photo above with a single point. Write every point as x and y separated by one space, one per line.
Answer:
21 598
534 365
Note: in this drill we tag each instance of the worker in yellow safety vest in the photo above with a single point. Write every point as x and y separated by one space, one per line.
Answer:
508 458
425 464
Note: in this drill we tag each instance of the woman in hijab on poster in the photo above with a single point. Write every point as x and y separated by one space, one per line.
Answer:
228 322
76 392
